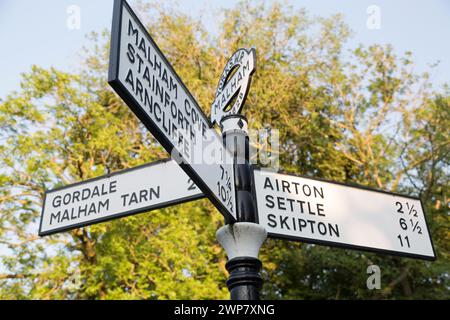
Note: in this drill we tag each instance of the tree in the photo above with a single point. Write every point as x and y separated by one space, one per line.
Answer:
360 116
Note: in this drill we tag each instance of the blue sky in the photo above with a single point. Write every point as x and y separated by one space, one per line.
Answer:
35 32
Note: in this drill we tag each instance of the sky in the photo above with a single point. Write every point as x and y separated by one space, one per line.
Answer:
37 32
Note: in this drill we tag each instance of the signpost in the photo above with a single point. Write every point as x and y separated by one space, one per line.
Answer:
140 189
329 213
270 204
145 80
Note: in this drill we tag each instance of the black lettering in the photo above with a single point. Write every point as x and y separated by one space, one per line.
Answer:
124 198
157 107
133 198
159 90
55 216
281 203
140 62
139 89
76 196
133 32
164 78
268 184
148 101
92 209
156 65
296 184
285 185
320 210
322 228
306 190
73 216
56 201
291 202
103 205
272 222
113 186
65 216
155 193
284 223
146 76
334 230
311 223
301 224
173 86
166 99
129 79
173 111
142 46
269 201
82 210
318 191
96 192
309 209
187 107
143 195
301 203
66 199
130 53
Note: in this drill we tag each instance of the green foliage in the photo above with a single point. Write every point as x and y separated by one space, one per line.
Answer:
357 116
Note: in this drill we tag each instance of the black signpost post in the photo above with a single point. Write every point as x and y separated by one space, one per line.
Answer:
245 280
242 239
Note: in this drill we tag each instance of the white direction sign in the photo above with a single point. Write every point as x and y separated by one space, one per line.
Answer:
140 189
330 213
145 80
